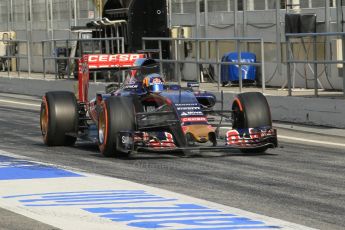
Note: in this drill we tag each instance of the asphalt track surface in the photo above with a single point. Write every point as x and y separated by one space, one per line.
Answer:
301 182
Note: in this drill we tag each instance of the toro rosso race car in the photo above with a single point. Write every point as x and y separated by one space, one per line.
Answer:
147 114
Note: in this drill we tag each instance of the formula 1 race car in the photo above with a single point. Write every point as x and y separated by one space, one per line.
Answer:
147 114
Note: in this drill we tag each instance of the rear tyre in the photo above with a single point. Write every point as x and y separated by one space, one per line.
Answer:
251 110
118 114
59 118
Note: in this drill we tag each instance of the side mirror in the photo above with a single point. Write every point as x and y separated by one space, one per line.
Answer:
206 99
193 85
111 88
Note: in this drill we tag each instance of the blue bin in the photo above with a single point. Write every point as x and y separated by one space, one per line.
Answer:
229 73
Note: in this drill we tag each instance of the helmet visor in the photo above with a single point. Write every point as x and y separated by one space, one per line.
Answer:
157 87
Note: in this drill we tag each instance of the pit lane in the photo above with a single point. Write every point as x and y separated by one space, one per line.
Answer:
298 182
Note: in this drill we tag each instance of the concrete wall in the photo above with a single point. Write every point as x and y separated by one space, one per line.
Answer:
302 110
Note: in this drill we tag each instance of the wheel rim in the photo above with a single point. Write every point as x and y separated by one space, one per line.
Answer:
238 119
44 119
101 128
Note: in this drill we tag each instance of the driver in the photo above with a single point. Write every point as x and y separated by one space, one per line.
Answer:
153 83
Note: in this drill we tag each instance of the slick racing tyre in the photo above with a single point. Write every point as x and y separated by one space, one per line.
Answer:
118 114
59 118
251 110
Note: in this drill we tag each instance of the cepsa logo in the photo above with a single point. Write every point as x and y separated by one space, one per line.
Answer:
194 119
113 60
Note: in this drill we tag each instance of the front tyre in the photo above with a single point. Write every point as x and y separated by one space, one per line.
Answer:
251 110
118 114
59 118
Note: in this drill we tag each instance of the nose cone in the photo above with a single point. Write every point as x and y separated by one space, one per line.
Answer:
200 133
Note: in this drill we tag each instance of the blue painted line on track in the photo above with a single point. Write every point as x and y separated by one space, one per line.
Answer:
147 213
91 199
14 169
230 222
233 228
211 223
144 210
103 203
79 193
181 214
88 198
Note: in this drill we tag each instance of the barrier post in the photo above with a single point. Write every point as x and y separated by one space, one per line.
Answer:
18 67
28 57
239 65
219 66
263 77
143 44
123 45
175 64
315 66
288 70
68 72
55 63
197 65
160 57
44 61
343 72
8 67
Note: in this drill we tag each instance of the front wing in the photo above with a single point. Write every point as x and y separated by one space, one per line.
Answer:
245 139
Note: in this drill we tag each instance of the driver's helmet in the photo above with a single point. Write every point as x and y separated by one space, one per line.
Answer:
153 83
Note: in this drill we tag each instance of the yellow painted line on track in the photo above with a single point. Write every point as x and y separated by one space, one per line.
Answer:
311 141
19 103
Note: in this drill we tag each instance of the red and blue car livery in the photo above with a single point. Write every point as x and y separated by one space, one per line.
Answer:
147 114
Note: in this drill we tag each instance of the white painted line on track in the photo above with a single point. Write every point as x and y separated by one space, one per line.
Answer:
92 201
19 103
311 141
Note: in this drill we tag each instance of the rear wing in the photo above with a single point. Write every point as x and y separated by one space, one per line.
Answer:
101 61
83 79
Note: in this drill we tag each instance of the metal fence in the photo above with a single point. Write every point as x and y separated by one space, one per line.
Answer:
46 15
217 62
290 59
97 46
52 19
16 50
